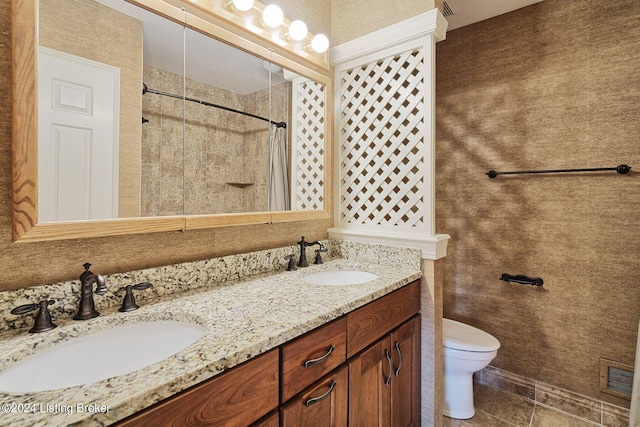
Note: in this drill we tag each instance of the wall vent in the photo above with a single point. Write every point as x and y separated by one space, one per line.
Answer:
616 378
449 8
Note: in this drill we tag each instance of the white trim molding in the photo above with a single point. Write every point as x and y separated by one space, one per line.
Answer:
431 23
433 247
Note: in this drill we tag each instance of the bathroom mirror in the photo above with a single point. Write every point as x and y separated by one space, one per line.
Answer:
185 156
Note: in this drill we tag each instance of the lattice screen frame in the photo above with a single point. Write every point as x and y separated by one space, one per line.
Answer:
308 148
385 141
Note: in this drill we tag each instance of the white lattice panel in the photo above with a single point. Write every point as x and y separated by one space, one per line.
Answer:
309 137
381 163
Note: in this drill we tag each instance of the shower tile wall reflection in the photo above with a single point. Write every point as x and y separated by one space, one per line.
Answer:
220 147
162 166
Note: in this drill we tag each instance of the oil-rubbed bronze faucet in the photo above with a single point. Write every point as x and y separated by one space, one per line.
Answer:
302 261
303 252
87 309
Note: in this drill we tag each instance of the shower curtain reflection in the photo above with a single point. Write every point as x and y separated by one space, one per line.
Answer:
279 199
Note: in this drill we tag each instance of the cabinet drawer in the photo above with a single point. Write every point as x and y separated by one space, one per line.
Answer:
366 324
325 403
306 359
220 401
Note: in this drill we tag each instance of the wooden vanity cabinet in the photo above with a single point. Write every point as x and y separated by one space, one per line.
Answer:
384 378
271 420
362 369
369 395
405 381
322 404
238 397
370 322
306 359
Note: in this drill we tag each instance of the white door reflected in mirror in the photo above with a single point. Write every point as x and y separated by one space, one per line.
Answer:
78 138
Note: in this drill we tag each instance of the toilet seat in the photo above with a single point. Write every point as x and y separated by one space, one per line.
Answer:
463 337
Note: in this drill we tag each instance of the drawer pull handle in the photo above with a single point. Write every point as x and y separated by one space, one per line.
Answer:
387 380
312 362
399 357
314 400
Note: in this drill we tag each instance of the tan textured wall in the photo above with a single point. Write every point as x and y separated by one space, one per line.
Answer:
554 85
77 27
355 18
27 264
315 13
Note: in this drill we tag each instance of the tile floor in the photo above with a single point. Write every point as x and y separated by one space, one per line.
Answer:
495 408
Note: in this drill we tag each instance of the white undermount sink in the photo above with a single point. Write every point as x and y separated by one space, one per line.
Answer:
339 277
98 356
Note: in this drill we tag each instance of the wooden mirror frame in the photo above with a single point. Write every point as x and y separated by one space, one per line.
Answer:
25 134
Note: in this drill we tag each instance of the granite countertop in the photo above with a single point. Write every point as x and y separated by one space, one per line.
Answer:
241 320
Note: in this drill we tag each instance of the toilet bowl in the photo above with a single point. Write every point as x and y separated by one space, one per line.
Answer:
466 350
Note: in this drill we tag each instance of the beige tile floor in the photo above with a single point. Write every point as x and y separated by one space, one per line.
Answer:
495 408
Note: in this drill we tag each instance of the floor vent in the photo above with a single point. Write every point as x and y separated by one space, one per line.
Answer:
449 8
616 378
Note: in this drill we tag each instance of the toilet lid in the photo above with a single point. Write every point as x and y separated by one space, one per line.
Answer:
461 336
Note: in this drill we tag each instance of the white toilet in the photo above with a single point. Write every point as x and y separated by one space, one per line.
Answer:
466 350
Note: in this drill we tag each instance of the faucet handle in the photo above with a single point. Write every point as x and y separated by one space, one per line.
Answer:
292 262
322 248
24 309
142 286
319 257
43 318
129 302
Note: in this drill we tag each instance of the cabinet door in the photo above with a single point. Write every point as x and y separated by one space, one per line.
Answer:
323 404
370 376
405 384
272 420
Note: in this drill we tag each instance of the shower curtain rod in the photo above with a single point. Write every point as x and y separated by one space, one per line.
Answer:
145 89
621 169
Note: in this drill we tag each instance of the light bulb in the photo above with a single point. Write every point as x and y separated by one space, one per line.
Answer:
272 16
298 30
242 5
320 43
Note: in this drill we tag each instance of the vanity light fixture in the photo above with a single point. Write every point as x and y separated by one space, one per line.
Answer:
298 30
268 23
320 43
272 16
242 5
